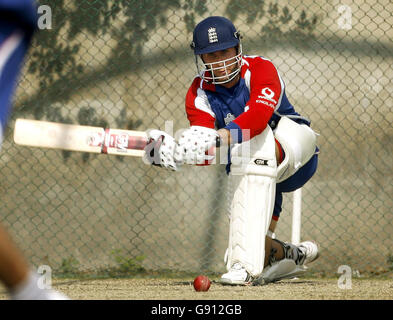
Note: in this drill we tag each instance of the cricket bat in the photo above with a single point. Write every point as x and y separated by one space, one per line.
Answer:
45 134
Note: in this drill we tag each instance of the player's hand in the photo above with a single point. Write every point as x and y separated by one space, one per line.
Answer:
197 145
160 150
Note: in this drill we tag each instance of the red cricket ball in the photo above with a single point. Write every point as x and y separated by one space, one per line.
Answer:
201 283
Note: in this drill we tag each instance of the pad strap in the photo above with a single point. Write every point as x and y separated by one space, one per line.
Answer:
291 252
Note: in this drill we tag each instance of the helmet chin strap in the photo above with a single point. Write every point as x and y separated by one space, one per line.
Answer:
207 68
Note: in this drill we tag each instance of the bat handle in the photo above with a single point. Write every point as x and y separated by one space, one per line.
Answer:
218 142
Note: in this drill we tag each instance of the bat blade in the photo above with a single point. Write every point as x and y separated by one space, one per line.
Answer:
45 134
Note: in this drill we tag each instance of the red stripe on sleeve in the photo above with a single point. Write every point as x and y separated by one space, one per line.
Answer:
197 117
265 92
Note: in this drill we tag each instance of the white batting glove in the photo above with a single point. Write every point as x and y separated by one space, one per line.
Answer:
160 150
197 145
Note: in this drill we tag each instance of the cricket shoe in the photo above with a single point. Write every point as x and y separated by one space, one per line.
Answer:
303 253
40 294
237 275
289 267
309 252
54 295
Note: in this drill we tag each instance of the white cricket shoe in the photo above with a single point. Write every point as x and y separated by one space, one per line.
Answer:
40 294
290 268
310 251
53 295
237 275
29 289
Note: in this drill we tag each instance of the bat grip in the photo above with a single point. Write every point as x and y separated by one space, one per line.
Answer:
218 142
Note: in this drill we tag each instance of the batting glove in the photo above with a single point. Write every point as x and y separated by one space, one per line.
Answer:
160 150
197 145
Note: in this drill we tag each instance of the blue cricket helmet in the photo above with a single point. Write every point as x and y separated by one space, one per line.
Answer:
213 34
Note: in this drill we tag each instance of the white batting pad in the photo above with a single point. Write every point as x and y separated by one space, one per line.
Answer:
299 142
252 180
283 269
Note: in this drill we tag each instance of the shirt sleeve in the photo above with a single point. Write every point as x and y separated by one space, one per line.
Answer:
20 12
266 90
199 112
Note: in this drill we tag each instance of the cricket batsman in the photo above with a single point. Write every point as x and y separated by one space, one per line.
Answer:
240 101
18 20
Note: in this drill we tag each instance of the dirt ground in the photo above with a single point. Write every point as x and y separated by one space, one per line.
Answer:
182 289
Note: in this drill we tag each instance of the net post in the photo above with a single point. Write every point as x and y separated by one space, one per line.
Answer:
296 216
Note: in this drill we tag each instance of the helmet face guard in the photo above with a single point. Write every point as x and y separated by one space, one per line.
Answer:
207 70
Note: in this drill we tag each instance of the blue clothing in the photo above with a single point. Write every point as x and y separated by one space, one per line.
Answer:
294 182
19 12
228 103
15 38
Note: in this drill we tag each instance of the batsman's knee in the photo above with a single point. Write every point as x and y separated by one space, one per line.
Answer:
299 144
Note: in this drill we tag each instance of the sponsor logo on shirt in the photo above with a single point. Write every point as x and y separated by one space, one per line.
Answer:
267 94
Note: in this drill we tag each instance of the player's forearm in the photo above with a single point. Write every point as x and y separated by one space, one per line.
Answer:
247 125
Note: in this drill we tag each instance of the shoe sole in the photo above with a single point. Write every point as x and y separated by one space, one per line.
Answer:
228 282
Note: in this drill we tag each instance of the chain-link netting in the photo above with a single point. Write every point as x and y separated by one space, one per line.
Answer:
127 64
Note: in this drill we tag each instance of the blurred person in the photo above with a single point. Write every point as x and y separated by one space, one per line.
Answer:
239 101
18 20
